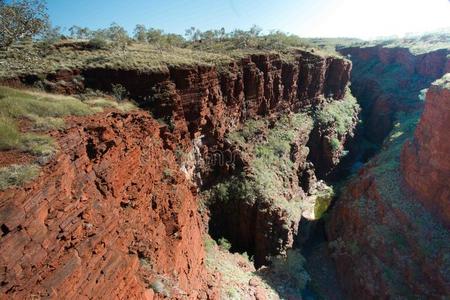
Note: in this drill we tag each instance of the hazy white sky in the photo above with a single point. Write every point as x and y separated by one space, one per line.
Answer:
362 18
310 18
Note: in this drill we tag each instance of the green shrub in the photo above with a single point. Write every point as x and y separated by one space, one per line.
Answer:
335 144
222 193
224 244
17 175
11 138
46 123
99 43
339 114
124 106
117 35
250 129
236 188
119 91
167 173
39 145
291 267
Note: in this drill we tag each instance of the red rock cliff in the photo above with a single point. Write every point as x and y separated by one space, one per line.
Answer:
110 217
388 238
199 104
425 159
206 100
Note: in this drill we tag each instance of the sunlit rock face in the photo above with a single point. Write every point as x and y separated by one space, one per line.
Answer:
116 211
110 216
425 158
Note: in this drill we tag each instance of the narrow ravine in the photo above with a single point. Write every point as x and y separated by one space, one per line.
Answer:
380 106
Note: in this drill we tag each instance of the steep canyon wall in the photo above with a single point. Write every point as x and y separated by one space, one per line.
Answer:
116 211
389 228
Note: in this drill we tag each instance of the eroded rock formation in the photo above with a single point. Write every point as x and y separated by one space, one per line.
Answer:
201 104
111 217
425 161
115 215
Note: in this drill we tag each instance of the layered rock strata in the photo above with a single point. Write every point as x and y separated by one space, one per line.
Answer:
112 216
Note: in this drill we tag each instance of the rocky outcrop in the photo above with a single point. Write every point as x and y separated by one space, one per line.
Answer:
276 186
336 126
111 217
425 163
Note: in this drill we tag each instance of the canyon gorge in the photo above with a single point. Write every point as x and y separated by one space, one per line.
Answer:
240 167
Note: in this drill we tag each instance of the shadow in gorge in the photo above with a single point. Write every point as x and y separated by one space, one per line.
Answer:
360 151
307 271
287 276
226 218
312 240
319 262
383 91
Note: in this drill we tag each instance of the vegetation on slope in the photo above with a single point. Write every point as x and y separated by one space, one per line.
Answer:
443 82
339 114
286 276
269 148
24 59
28 59
417 228
417 44
26 117
236 271
271 164
17 175
45 49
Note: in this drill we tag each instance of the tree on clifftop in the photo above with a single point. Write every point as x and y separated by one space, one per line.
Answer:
21 19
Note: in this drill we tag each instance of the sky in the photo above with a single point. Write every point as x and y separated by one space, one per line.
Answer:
365 19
